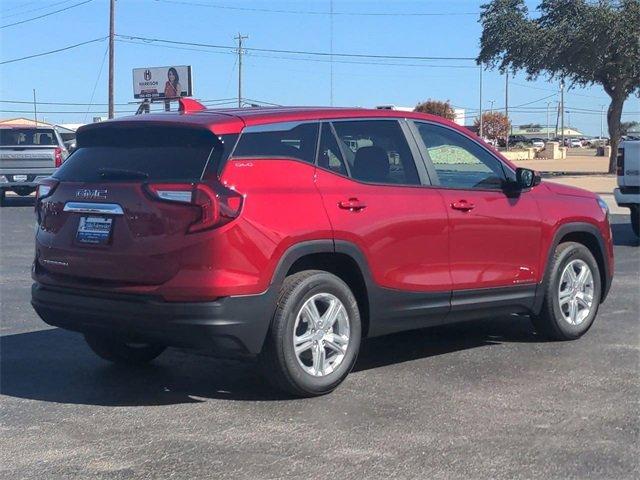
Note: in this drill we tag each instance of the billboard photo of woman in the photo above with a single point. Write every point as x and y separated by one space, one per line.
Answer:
172 88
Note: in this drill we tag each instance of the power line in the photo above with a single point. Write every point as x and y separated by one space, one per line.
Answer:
40 8
296 52
312 12
95 85
53 51
45 15
78 104
301 59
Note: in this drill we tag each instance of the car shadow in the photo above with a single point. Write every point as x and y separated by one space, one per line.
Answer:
11 201
56 366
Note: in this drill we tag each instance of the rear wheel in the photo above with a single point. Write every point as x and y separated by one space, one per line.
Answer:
3 194
635 219
572 293
315 334
119 351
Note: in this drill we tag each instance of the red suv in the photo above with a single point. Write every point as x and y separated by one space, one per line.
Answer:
293 233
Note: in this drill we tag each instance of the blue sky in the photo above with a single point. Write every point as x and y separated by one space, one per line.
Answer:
70 76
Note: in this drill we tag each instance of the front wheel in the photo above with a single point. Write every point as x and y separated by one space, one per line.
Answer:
118 351
635 219
314 337
572 293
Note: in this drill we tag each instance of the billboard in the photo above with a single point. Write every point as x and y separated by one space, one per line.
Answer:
162 82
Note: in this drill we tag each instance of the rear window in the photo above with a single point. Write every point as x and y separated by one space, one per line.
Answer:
142 153
27 137
289 139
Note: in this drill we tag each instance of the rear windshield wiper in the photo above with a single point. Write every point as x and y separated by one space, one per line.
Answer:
122 174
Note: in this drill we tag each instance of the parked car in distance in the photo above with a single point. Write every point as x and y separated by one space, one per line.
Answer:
28 154
575 143
537 143
628 171
291 234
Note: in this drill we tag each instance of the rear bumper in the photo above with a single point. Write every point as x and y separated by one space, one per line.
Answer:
31 181
229 326
626 198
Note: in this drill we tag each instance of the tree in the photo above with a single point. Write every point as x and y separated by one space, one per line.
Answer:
495 125
581 41
436 107
625 127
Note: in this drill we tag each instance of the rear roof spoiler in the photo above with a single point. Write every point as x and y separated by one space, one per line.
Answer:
189 105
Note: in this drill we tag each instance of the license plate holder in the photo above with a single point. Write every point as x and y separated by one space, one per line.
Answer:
94 230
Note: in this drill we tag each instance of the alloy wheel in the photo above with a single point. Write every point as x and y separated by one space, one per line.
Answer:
321 334
575 292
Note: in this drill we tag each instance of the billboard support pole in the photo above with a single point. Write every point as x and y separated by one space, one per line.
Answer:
112 8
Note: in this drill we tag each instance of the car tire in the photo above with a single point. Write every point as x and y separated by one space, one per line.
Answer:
118 351
3 197
635 220
565 314
306 370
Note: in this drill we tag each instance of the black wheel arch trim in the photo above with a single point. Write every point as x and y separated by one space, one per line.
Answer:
561 232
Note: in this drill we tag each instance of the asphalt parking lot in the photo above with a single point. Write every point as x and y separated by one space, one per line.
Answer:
485 399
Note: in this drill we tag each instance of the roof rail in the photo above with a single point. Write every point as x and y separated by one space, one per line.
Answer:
189 105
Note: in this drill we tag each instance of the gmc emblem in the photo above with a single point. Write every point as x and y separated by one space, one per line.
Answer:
91 194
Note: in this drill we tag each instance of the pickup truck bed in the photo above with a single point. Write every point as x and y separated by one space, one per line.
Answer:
28 154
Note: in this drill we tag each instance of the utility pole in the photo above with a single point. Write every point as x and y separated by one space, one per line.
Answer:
240 38
601 117
506 103
562 112
35 109
481 120
548 104
112 13
491 102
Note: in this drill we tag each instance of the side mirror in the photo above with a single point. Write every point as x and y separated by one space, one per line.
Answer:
527 178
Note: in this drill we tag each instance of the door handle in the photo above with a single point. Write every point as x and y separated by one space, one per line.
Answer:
353 205
463 205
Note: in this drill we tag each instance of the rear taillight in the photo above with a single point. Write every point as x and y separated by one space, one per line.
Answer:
45 188
58 156
214 204
620 162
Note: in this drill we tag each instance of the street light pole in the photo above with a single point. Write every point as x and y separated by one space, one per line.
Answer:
601 117
491 102
506 103
112 13
481 120
548 104
562 111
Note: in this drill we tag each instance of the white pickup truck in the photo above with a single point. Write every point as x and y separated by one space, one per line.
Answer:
628 192
28 154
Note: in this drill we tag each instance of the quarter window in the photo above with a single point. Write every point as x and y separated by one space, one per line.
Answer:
459 161
329 154
377 152
290 140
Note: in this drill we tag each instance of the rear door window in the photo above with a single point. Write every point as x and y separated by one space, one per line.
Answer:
154 153
277 140
377 151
